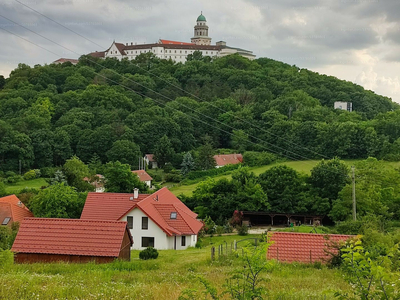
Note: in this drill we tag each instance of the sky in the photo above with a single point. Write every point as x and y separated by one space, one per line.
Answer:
354 40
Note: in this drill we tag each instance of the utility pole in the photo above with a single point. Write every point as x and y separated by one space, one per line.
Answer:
354 193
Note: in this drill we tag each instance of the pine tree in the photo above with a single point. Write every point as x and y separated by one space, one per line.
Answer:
187 164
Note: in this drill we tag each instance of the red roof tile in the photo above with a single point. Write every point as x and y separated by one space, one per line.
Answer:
301 247
109 206
157 206
70 237
12 207
174 42
142 174
150 157
228 159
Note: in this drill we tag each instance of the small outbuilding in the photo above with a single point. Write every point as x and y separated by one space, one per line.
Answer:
71 240
222 160
143 177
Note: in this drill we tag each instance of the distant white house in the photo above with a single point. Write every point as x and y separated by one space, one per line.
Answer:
143 177
159 220
98 183
227 159
343 105
150 161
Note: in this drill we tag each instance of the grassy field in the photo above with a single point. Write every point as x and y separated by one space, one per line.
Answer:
163 278
34 183
300 166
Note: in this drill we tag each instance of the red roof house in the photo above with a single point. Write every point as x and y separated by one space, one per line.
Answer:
12 210
143 176
71 240
227 159
160 220
302 247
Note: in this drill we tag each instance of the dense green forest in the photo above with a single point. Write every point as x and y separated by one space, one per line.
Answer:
119 110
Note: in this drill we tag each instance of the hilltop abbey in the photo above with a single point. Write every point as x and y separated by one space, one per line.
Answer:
177 51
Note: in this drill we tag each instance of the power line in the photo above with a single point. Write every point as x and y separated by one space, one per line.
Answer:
208 103
204 115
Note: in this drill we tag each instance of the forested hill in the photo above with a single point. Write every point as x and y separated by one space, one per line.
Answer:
118 110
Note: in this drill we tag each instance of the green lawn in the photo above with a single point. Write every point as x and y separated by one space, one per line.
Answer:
300 166
163 278
34 183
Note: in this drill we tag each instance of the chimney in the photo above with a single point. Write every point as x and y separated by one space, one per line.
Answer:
135 193
131 43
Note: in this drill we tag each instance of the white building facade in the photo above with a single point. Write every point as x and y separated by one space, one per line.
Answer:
176 51
146 233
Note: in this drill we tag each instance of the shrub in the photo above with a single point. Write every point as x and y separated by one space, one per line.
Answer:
38 173
212 172
48 172
14 179
6 258
172 177
253 159
219 229
242 230
31 174
148 253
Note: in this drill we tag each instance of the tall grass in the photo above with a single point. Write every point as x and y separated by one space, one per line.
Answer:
163 278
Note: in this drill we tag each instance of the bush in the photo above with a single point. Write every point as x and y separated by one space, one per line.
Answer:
14 179
253 159
172 177
6 258
212 172
219 229
242 230
31 174
148 253
48 172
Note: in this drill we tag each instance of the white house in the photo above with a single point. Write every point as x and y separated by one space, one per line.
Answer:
176 51
143 177
343 105
159 220
150 161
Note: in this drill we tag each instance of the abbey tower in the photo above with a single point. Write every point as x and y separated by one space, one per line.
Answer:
201 32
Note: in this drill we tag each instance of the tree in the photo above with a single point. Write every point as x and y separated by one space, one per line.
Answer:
284 187
2 81
120 179
187 164
126 152
328 178
163 152
58 201
205 159
240 140
75 171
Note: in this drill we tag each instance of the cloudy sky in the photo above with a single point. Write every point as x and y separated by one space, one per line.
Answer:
355 40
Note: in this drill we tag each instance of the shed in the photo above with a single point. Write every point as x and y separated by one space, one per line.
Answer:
71 240
302 247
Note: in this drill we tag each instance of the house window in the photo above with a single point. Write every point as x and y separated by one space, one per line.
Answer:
173 215
5 221
183 241
147 241
136 51
194 238
129 219
145 223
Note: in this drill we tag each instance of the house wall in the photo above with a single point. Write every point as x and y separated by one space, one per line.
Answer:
191 241
125 252
160 237
21 258
148 182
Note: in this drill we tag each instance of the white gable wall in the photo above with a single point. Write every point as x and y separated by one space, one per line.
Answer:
161 240
160 237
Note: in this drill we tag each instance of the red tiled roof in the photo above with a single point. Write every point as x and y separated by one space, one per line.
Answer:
174 42
120 48
302 247
228 159
12 207
70 237
109 206
150 157
98 54
142 174
157 206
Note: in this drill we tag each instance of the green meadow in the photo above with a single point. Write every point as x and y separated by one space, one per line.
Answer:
164 278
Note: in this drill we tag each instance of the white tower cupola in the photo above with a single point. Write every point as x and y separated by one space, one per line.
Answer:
201 32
